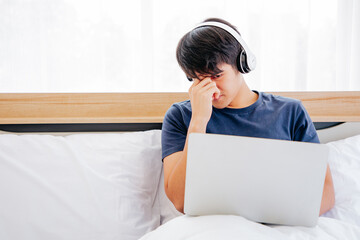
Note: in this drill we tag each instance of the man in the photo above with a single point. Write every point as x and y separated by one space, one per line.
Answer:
221 102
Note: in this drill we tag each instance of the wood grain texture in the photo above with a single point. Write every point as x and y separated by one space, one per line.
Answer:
26 108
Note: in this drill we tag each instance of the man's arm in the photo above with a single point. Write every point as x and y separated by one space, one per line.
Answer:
305 131
328 197
201 95
175 171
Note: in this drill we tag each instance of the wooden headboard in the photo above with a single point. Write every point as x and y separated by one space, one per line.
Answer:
39 108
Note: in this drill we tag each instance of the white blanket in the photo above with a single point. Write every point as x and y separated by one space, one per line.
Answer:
341 222
236 227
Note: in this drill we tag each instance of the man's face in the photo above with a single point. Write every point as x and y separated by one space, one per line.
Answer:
228 82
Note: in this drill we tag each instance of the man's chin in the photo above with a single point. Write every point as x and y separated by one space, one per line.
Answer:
219 104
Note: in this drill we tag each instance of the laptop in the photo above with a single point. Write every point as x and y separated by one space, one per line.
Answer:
264 180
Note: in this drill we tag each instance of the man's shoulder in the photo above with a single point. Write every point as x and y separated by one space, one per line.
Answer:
179 108
279 101
181 105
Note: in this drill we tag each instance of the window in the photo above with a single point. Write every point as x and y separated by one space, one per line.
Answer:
113 46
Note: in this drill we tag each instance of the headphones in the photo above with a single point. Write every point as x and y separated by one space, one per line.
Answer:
246 60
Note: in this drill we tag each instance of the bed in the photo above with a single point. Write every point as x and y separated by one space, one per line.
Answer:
88 166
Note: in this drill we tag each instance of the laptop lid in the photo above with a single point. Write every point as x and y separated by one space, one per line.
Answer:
263 180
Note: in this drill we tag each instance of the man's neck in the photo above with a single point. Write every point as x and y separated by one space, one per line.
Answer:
244 98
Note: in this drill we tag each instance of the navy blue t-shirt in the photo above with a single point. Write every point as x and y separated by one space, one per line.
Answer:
270 116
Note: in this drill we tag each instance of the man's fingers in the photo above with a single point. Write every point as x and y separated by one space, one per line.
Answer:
211 90
202 86
208 86
194 84
195 81
203 82
217 93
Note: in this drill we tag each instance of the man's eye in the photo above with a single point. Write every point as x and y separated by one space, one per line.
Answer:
216 76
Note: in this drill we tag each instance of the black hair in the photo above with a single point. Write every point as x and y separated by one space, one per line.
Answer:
202 49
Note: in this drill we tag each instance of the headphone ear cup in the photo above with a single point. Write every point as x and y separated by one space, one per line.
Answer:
238 62
242 65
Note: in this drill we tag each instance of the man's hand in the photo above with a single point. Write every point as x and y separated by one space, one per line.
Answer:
202 93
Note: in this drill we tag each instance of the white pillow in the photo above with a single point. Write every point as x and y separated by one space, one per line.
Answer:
82 186
344 162
167 208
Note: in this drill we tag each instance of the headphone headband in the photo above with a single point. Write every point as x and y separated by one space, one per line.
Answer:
250 57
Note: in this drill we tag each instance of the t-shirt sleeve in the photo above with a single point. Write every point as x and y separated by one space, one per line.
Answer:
173 133
304 129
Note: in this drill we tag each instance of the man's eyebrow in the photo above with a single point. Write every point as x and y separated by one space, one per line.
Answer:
201 77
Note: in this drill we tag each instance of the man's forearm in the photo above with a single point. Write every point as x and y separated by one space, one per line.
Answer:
176 182
328 197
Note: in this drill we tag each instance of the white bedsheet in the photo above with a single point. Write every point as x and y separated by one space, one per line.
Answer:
236 227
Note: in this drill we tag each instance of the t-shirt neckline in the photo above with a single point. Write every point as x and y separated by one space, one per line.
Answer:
245 109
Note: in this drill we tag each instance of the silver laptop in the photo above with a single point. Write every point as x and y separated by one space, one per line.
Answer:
263 180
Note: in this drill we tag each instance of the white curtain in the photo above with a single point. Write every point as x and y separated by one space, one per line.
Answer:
348 45
129 46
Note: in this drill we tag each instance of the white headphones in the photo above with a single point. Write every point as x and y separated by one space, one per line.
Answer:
246 59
